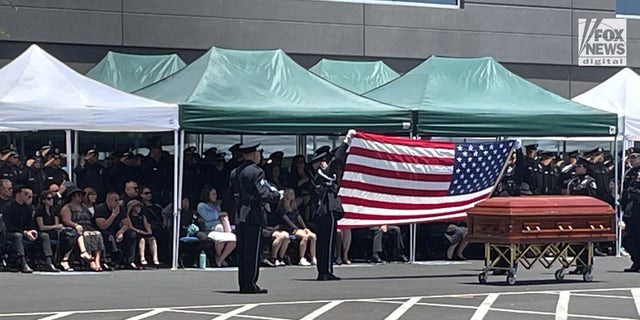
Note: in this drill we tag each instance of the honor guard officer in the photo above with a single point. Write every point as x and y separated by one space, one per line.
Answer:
327 207
548 174
253 192
582 185
630 203
568 171
601 174
531 167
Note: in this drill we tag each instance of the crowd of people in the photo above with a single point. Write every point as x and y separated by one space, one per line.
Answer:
119 216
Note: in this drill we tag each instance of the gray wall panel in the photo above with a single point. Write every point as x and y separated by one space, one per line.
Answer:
413 43
286 10
473 17
605 5
202 33
61 26
525 3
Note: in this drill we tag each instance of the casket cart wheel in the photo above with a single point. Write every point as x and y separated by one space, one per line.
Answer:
482 277
560 274
587 276
511 278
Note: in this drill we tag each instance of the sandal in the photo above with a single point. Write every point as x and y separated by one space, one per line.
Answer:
143 261
85 255
95 266
64 266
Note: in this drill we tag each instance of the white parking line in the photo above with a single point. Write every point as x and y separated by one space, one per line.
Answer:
484 307
235 312
57 316
562 308
316 313
148 314
396 314
636 298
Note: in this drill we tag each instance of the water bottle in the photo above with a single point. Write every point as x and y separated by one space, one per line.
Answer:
203 260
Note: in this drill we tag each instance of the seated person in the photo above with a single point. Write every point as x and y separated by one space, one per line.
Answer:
295 225
140 225
112 221
395 239
76 215
158 221
456 235
20 225
216 225
343 243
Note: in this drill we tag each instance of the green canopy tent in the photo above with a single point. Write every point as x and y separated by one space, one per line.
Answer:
130 72
266 92
478 97
356 76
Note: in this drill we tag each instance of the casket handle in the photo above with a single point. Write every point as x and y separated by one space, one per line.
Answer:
560 227
570 227
601 227
592 227
538 228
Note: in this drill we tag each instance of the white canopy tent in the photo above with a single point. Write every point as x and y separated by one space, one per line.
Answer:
39 92
618 94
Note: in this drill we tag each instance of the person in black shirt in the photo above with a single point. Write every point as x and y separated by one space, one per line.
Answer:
91 173
18 218
153 212
111 218
53 170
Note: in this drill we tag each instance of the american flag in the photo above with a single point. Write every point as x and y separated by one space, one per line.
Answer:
392 180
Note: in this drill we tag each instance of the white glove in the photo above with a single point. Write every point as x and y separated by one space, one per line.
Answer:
518 144
351 133
281 192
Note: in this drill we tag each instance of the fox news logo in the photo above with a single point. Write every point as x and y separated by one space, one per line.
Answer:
602 42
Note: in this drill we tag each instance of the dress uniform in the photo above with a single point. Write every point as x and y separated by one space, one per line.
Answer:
631 206
531 168
583 185
568 171
548 174
326 204
601 174
252 193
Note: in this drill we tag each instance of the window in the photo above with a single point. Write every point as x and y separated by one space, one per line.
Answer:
434 3
628 7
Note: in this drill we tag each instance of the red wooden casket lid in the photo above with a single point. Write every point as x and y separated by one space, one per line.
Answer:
541 205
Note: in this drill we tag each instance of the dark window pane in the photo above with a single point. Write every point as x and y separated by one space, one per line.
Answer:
628 7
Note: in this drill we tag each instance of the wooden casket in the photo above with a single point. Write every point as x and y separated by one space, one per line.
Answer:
541 219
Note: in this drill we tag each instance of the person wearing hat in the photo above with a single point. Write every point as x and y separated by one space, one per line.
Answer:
10 167
192 177
630 204
568 171
76 215
236 156
20 226
140 225
35 178
531 171
252 192
601 174
548 174
123 170
326 207
90 173
53 169
156 172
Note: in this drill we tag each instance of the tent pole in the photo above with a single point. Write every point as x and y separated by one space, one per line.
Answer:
177 202
615 194
76 154
67 134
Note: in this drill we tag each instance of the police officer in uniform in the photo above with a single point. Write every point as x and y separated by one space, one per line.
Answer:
253 193
601 174
91 173
582 185
631 206
326 206
531 168
548 174
568 171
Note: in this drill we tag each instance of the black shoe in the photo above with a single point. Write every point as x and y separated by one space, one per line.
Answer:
376 259
404 258
328 277
287 260
598 252
106 267
132 266
338 261
26 269
50 268
634 268
267 263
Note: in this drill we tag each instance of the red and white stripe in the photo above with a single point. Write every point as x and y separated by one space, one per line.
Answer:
392 180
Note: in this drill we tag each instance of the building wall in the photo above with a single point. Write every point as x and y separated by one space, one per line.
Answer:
534 38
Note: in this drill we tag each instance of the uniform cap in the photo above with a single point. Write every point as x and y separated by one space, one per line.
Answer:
549 154
277 154
6 153
190 150
573 154
91 151
533 146
249 146
235 148
320 154
596 151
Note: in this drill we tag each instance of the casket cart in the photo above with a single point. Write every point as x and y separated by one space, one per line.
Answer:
523 231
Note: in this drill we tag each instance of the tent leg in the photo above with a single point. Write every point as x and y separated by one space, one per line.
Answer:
69 151
412 242
177 201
